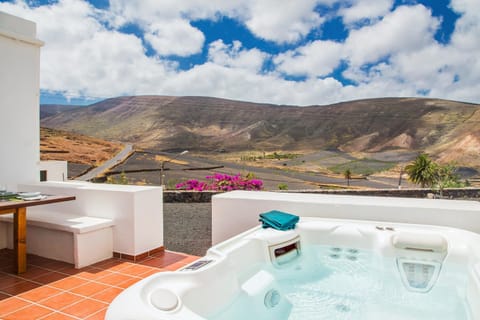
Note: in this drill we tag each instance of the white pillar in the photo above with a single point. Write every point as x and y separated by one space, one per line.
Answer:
19 101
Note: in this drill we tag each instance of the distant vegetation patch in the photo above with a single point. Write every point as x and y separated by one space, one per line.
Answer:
269 156
363 166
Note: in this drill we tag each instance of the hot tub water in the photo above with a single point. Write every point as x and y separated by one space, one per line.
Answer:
348 283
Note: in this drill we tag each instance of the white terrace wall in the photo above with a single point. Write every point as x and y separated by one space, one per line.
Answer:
237 211
136 211
19 101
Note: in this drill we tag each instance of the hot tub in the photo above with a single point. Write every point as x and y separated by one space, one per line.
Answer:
323 269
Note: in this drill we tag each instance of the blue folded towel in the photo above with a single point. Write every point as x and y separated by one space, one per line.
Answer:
278 220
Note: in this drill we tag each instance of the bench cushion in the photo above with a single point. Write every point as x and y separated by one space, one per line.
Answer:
62 221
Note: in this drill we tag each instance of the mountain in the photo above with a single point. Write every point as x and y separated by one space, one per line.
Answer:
446 129
47 110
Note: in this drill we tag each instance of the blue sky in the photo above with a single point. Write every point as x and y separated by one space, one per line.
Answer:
301 52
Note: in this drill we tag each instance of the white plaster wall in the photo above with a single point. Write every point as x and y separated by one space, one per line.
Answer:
56 170
19 101
148 228
238 211
137 211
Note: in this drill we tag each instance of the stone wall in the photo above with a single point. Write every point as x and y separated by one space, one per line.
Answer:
460 193
188 196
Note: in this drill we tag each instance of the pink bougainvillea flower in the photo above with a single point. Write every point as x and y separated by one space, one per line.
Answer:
222 182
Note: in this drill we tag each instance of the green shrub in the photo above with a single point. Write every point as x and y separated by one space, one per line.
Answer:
282 186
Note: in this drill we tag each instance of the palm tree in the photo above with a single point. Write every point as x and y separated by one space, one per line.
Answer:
348 175
423 171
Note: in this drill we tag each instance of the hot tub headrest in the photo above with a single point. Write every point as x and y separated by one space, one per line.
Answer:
420 241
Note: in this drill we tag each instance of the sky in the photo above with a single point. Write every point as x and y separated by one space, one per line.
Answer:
301 52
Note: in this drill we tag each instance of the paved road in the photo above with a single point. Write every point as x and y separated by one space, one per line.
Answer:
107 164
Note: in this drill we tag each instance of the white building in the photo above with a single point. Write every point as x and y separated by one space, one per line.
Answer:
135 212
19 101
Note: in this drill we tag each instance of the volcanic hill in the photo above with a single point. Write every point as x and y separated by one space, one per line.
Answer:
448 130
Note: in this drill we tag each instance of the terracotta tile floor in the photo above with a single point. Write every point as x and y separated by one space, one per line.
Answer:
53 290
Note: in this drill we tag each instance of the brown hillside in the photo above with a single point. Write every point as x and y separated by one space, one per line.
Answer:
462 144
444 128
75 148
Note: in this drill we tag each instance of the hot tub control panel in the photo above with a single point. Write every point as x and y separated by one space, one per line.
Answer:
196 265
418 276
419 259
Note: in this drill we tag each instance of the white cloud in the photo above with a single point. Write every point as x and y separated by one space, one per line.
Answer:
315 59
235 57
462 54
81 57
147 11
165 23
422 68
394 54
285 21
449 71
362 10
407 28
469 7
211 79
174 37
467 29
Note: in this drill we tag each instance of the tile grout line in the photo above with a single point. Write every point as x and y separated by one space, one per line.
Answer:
65 314
99 311
38 303
119 267
71 305
139 276
31 303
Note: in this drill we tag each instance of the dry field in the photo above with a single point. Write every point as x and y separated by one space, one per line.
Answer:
62 145
80 151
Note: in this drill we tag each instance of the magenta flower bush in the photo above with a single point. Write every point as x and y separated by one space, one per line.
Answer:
192 184
222 182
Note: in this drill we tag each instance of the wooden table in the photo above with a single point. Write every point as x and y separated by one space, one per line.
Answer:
19 210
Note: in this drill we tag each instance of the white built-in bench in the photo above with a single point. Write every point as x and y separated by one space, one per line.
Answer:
136 212
80 240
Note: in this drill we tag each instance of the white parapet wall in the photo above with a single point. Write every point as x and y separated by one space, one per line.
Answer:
237 211
136 211
19 101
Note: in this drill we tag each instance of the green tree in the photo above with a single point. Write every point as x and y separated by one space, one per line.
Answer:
423 171
448 178
348 175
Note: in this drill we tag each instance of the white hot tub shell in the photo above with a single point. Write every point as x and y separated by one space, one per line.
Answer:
419 257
